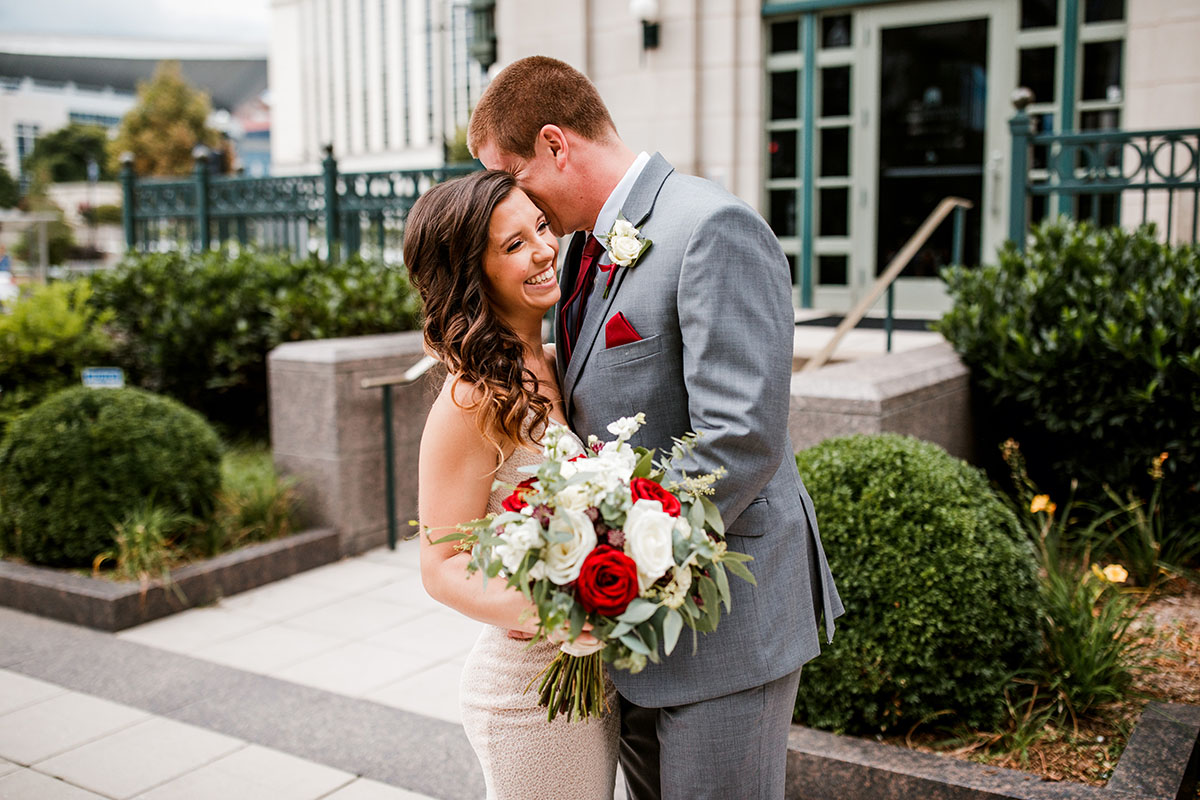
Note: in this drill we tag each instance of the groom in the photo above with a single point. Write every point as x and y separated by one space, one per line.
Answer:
696 331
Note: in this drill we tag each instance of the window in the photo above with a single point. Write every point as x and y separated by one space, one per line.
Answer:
27 136
85 118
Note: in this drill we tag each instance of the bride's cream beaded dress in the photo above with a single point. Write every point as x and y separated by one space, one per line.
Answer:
523 756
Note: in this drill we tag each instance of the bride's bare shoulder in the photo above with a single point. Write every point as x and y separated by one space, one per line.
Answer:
451 419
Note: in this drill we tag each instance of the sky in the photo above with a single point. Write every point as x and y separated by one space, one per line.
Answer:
241 21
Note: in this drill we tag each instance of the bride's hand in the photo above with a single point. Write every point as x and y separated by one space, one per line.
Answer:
519 634
584 645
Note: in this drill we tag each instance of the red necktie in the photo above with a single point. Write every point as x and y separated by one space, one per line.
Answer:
576 307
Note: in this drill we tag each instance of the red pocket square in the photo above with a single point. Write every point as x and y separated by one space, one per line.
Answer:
618 331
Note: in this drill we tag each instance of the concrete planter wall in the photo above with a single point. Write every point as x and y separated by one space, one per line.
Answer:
115 605
1160 762
924 393
327 431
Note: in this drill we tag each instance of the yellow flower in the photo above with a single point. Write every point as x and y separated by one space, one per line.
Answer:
1042 503
1156 466
1113 573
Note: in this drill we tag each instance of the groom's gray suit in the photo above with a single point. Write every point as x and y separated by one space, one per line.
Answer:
711 300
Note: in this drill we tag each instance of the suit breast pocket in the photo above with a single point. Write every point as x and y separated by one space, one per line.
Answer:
627 353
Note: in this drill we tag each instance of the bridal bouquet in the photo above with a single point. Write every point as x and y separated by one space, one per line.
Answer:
597 541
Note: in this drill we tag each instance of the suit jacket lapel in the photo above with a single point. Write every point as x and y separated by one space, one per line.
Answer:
570 274
636 209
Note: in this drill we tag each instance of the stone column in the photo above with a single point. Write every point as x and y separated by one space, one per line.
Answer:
327 431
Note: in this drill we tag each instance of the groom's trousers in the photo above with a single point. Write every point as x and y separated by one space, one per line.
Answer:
727 747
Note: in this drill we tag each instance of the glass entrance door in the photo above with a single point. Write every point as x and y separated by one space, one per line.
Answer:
934 126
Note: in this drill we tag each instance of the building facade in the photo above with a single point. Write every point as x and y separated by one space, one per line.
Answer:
846 122
388 83
30 108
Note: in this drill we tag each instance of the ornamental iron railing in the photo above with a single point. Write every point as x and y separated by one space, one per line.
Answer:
1109 177
330 214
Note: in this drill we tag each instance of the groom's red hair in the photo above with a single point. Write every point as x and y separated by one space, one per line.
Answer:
531 93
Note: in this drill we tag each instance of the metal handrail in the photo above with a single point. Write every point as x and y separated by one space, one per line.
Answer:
894 268
386 382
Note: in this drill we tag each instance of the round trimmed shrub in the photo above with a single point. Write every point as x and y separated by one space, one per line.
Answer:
938 581
80 461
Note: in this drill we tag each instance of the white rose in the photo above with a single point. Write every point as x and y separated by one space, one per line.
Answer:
564 558
518 539
623 244
648 541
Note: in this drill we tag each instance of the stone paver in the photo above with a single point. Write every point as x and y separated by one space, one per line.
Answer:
367 789
44 729
432 692
253 773
28 784
18 691
191 630
138 758
269 649
355 668
350 618
441 631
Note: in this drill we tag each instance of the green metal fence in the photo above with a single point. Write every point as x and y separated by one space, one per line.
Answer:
332 213
1105 176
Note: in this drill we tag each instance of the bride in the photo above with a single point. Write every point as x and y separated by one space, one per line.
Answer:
483 258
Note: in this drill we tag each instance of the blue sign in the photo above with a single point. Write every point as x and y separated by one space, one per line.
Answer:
104 377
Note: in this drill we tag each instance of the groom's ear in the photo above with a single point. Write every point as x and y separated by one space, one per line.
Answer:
553 140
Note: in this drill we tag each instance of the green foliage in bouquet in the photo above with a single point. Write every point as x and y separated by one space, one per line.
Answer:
1086 349
938 581
199 327
79 464
46 339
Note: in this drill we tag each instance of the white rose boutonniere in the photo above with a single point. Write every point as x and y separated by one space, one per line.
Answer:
625 246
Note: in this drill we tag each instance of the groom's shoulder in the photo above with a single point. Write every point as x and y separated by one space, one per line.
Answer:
704 201
703 193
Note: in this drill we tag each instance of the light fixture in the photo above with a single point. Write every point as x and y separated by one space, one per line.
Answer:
647 12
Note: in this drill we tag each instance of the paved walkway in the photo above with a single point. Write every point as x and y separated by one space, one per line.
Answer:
338 683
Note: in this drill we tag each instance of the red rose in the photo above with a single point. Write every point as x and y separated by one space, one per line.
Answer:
516 500
649 490
607 581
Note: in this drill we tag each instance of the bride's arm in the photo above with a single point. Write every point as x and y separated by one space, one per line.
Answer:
455 480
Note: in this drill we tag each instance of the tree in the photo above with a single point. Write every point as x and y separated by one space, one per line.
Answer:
10 191
168 121
64 154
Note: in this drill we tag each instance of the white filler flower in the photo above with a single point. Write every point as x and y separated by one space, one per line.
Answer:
518 539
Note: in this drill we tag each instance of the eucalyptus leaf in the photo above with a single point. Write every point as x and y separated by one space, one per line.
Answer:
635 644
672 626
638 611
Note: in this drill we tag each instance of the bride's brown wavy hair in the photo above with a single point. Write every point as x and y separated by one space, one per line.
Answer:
445 238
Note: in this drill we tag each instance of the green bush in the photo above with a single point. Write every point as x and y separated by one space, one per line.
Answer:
199 327
46 340
1086 349
80 463
938 582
